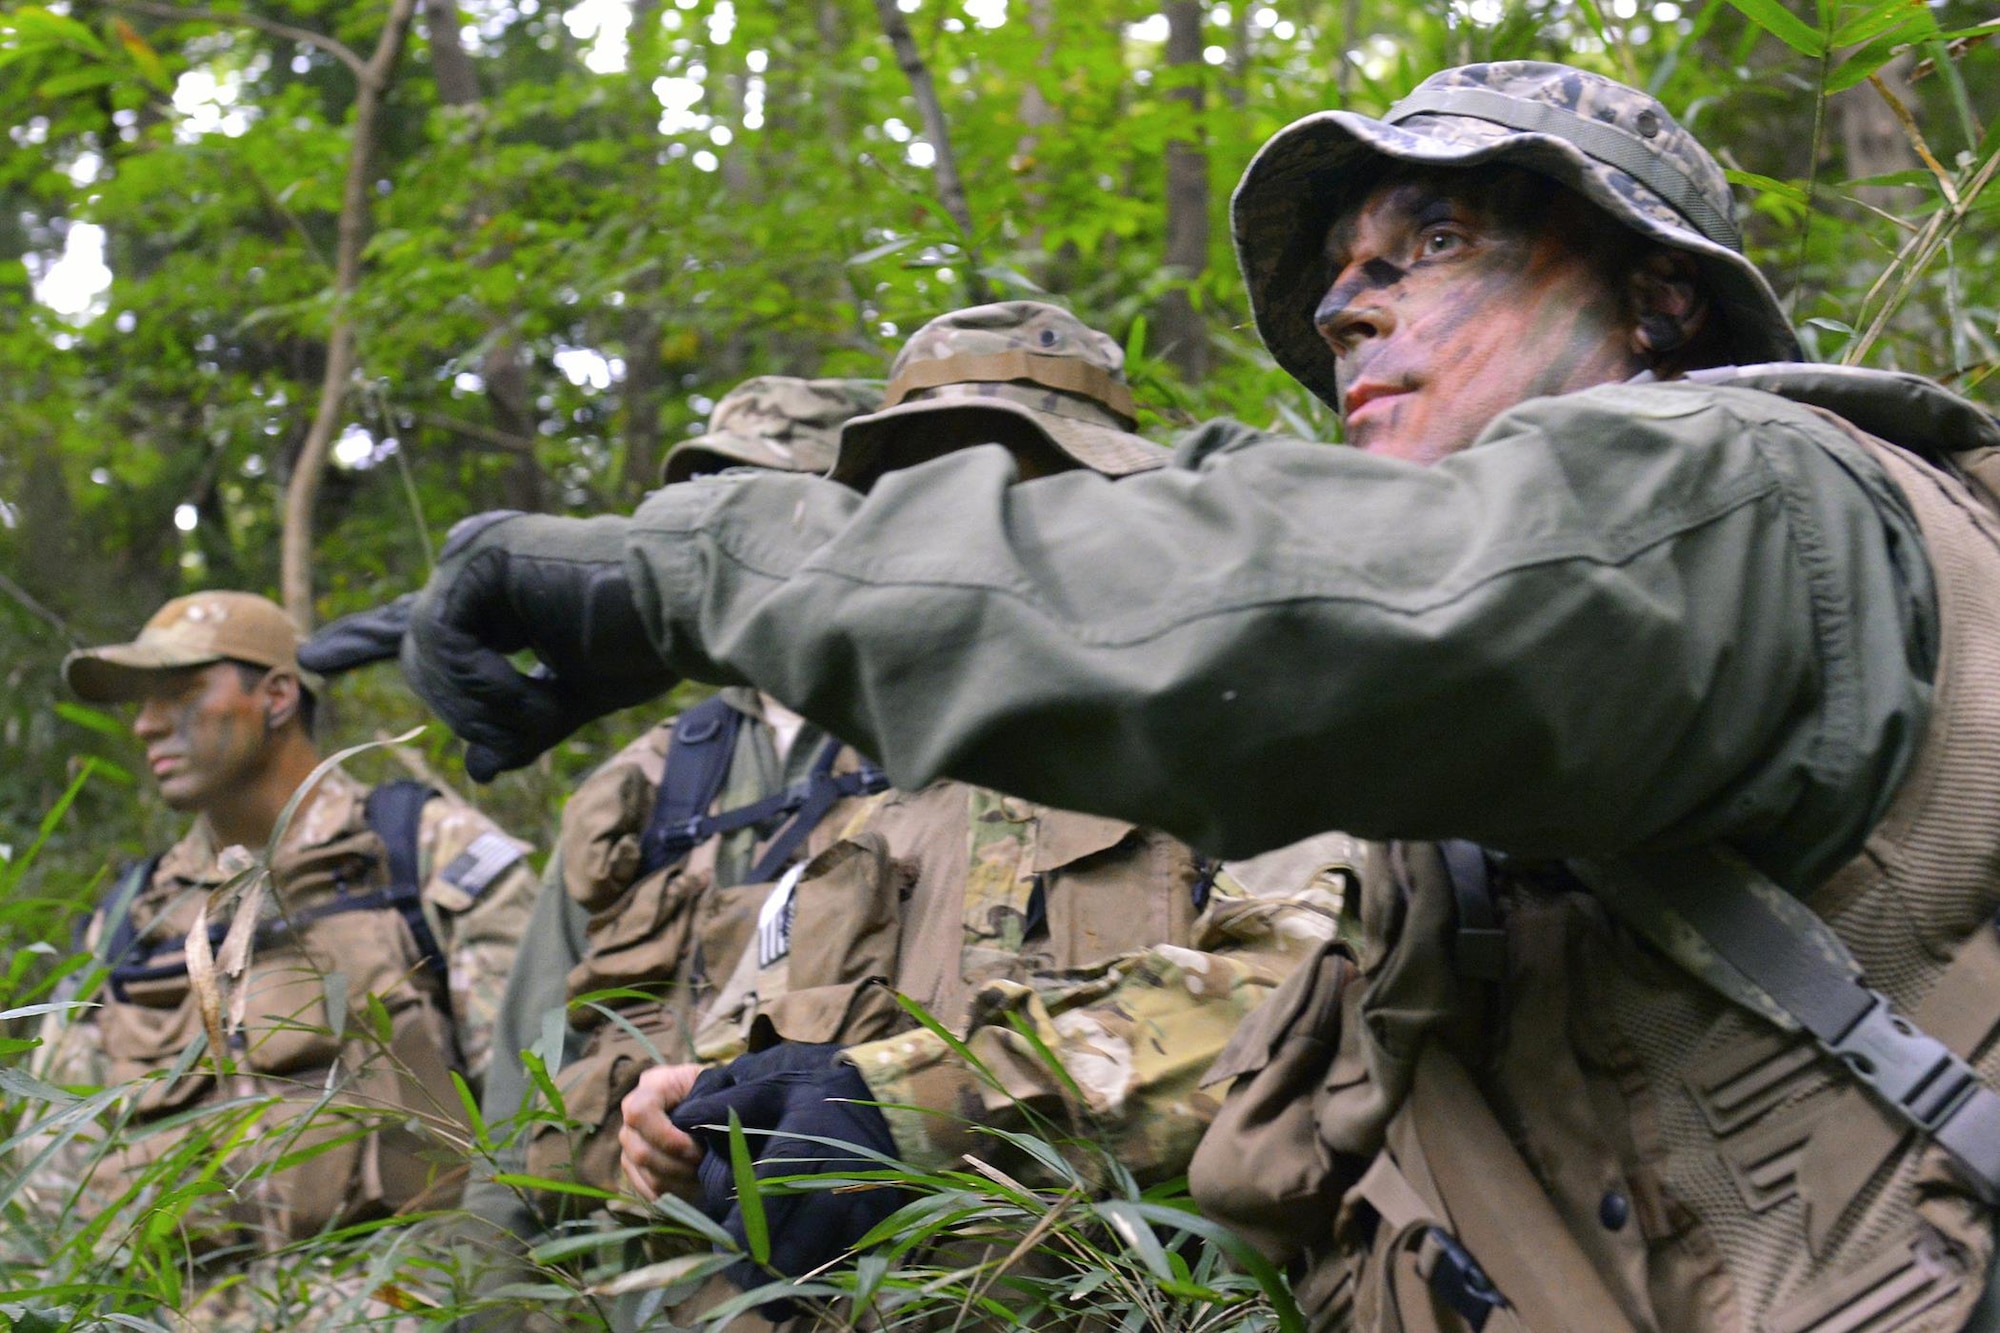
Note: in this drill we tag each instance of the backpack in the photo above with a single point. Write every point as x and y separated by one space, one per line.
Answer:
393 810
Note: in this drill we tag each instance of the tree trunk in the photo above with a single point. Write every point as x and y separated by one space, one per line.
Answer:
951 190
643 326
502 369
371 88
1183 332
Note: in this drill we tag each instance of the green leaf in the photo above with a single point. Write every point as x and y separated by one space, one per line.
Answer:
94 719
1878 18
77 81
1784 25
749 1201
1790 193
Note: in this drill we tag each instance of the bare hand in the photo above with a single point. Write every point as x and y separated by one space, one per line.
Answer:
658 1158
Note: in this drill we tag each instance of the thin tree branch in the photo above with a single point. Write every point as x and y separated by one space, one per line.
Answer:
951 189
473 430
331 46
342 354
20 594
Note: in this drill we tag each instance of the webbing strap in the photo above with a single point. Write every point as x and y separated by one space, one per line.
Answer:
1065 374
1479 950
1607 143
395 811
119 934
816 795
1738 931
697 764
1448 1139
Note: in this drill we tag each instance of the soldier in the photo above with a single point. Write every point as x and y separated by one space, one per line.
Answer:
1694 1030
597 889
400 902
1133 959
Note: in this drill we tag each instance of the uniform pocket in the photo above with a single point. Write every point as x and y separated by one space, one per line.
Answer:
1263 1167
643 938
1110 888
143 1039
583 1148
849 1013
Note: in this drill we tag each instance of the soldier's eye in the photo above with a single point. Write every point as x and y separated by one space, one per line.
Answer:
1439 240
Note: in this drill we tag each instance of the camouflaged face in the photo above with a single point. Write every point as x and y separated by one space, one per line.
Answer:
777 422
1317 169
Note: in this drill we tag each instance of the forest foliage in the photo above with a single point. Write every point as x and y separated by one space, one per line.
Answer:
288 286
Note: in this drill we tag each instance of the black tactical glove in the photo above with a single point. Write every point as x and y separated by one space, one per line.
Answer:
801 1093
554 586
357 640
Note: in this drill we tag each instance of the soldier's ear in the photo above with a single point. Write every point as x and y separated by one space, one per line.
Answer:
282 692
1667 305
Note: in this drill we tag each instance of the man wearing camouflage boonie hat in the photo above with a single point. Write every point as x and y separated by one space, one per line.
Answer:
1691 1022
773 421
1025 374
1135 958
412 897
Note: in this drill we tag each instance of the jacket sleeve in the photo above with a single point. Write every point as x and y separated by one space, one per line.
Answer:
1117 1053
1639 614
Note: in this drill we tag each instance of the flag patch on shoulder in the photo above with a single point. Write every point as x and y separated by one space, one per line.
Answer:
481 863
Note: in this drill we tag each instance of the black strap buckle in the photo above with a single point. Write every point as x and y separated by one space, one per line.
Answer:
1931 1086
1456 1278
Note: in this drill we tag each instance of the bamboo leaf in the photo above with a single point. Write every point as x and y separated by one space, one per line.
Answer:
749 1199
1784 25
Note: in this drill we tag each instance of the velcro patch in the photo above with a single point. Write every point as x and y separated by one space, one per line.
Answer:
475 868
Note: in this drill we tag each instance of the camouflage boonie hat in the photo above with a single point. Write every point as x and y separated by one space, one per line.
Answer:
773 421
1028 359
190 631
1615 146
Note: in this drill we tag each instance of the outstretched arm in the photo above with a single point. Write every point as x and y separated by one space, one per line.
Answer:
1636 614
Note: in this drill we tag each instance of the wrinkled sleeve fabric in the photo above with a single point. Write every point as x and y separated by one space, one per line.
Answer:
1642 614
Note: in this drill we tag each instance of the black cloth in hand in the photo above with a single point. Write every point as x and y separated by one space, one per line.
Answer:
556 587
800 1093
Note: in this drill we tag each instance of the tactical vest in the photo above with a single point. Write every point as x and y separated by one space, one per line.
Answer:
931 892
1515 1114
348 931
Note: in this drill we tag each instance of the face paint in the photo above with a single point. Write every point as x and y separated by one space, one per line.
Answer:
204 733
1458 294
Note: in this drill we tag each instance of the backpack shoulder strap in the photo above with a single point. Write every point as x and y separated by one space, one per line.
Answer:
395 811
704 741
1740 933
117 935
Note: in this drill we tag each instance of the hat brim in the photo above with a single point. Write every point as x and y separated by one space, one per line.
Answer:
870 445
1312 171
719 451
124 672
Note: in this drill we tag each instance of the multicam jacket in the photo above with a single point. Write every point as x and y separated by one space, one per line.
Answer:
309 991
962 900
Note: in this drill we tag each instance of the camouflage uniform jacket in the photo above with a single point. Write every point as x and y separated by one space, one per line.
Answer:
303 1030
477 893
954 896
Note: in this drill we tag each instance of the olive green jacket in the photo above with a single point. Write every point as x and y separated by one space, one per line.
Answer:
1643 614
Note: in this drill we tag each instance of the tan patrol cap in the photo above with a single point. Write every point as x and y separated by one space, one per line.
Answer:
776 422
1028 359
190 631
